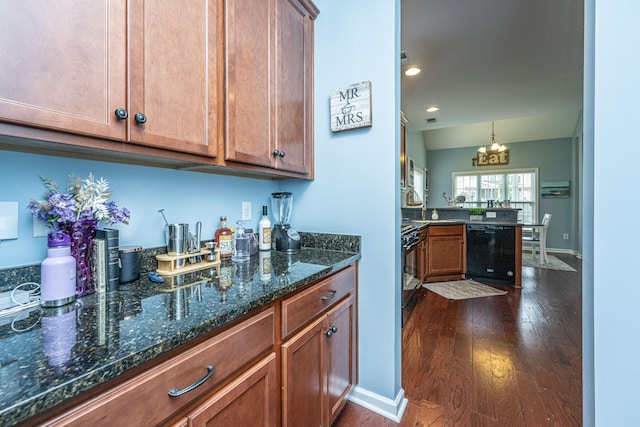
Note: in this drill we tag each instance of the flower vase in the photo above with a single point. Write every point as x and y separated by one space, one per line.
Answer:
82 234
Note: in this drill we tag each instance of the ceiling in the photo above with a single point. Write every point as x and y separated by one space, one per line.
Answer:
515 62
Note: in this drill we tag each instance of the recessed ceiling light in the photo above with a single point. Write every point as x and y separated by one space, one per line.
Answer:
432 109
412 71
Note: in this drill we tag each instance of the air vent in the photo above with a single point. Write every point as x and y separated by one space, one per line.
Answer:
404 59
431 120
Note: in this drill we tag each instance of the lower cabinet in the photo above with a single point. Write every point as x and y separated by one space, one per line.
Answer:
237 378
250 400
318 368
146 399
446 253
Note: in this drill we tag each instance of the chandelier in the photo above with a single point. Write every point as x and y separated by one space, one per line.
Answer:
494 147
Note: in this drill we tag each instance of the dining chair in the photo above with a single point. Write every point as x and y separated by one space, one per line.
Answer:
539 238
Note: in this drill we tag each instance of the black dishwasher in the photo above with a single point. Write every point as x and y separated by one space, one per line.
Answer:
491 253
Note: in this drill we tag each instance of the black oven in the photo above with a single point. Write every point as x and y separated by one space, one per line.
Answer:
410 282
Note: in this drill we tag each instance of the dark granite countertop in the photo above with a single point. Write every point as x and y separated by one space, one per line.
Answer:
50 355
420 224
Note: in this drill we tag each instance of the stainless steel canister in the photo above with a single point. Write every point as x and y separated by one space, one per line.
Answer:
177 237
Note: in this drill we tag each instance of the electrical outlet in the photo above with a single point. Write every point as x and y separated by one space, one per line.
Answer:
8 220
246 211
565 236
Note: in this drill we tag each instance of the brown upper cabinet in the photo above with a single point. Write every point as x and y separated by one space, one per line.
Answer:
269 84
182 81
176 75
64 65
69 69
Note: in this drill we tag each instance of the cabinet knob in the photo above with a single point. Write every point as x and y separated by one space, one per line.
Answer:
281 154
276 153
140 118
121 113
331 331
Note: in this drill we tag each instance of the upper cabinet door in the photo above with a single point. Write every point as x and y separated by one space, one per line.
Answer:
176 75
270 84
249 61
64 65
294 87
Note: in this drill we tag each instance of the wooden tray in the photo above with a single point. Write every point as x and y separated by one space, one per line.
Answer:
167 263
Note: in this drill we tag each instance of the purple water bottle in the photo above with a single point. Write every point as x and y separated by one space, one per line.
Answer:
58 272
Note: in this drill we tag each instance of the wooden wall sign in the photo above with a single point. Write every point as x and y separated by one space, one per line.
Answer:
351 107
491 158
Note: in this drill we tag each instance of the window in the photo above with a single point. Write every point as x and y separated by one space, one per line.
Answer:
517 186
418 184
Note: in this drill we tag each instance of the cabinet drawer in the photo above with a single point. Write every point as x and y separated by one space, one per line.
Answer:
144 400
446 230
304 306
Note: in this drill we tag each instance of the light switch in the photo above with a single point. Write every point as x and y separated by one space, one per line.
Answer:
8 220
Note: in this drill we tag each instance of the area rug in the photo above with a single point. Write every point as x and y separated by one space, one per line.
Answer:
410 282
463 289
553 263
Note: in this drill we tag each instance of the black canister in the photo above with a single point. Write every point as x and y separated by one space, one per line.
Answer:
129 263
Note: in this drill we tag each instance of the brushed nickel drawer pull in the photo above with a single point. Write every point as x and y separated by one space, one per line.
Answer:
331 295
174 392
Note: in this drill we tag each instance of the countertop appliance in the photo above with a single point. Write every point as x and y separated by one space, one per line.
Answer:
491 253
284 238
410 239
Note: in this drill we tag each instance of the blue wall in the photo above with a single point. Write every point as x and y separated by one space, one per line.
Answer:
416 148
186 197
357 183
350 50
554 159
356 190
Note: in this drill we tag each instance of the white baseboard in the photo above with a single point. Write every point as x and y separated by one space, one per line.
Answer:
391 409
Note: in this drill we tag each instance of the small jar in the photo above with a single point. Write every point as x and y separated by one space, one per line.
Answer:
253 241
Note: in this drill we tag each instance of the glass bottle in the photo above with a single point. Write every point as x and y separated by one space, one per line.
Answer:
264 231
224 238
242 251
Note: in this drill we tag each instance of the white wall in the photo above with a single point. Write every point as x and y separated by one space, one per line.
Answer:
356 190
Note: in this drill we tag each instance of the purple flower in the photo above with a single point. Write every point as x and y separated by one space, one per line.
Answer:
85 199
116 215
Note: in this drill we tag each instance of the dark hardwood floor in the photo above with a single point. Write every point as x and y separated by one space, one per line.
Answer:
511 360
